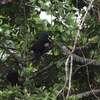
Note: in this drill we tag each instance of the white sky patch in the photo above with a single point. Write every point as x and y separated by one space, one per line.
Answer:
45 16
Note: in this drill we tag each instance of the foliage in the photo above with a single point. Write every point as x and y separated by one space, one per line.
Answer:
19 26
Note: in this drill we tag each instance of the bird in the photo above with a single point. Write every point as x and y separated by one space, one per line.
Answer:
13 77
42 45
79 3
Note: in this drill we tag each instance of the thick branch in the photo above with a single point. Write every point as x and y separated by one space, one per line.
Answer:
80 60
88 94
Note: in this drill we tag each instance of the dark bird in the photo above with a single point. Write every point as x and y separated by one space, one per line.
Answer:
13 77
42 45
79 3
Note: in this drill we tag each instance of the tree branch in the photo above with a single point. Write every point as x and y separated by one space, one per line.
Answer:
88 94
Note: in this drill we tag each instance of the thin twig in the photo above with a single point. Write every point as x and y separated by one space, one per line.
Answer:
70 76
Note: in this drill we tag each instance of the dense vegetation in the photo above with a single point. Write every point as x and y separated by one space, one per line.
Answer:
68 66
